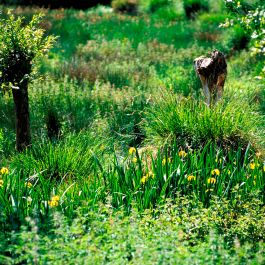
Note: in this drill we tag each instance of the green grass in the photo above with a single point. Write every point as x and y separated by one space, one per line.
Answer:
83 175
192 123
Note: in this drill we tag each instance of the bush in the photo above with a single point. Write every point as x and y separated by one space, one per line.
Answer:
192 123
250 17
235 39
181 233
192 7
154 5
125 6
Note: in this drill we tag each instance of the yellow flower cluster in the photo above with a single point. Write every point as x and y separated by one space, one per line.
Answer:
132 150
182 154
1 183
164 161
191 178
216 172
211 180
134 160
28 185
146 177
54 201
253 165
4 171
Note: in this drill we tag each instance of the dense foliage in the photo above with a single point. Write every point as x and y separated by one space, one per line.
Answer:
20 47
251 17
127 163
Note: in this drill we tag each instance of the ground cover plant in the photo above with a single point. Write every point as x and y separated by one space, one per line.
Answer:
127 164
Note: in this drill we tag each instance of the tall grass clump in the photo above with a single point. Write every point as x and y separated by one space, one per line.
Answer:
192 123
70 157
147 180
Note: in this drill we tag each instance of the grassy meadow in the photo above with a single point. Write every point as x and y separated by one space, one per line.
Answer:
127 164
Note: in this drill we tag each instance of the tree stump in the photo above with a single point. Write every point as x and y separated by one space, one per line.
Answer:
212 72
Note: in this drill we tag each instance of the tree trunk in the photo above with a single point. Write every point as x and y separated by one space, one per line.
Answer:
21 101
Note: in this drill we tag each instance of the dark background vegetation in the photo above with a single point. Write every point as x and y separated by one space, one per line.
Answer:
58 3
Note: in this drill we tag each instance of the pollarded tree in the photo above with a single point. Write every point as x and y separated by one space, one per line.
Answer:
20 46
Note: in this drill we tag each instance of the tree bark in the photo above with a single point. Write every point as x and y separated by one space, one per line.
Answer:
21 100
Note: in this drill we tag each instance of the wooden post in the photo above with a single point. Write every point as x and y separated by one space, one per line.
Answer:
212 72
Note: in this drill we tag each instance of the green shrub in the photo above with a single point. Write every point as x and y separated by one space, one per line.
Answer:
181 233
191 122
192 7
154 5
250 17
126 6
235 39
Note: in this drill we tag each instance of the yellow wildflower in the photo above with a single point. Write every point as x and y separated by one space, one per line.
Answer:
216 172
132 150
191 178
1 183
228 172
148 175
264 168
211 180
4 170
168 161
258 154
143 179
54 201
56 198
28 185
182 153
134 160
252 165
